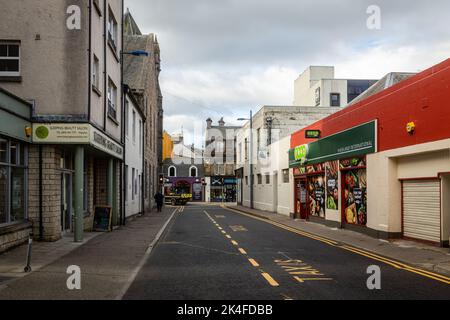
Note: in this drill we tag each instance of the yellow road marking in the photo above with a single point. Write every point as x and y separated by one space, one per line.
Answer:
242 251
367 254
254 263
270 280
224 232
220 228
229 237
234 243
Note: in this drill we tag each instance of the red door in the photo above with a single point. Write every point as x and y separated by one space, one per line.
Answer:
301 205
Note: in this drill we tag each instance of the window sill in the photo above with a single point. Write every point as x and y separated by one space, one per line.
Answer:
96 90
14 227
113 120
10 78
113 48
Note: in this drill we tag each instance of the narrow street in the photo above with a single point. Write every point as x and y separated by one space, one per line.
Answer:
209 252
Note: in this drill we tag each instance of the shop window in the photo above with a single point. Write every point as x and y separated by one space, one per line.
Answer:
316 192
286 176
126 174
13 177
354 180
267 179
133 177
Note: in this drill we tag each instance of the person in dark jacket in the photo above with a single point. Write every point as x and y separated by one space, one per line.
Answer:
159 198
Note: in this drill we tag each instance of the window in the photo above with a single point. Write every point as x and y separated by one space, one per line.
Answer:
172 171
258 140
13 177
133 126
317 97
259 178
140 136
127 117
335 99
112 100
286 176
246 180
267 178
126 174
96 73
9 59
112 30
240 152
193 172
133 180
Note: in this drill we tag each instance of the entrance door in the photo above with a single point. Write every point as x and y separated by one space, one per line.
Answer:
66 202
301 205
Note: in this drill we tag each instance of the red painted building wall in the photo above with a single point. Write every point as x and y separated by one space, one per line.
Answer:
423 99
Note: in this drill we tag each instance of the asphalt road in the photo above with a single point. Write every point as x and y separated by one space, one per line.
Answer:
212 253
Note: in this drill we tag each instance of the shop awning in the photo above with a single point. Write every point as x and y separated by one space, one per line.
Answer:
357 141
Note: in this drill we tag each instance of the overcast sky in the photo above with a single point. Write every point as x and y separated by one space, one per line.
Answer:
224 57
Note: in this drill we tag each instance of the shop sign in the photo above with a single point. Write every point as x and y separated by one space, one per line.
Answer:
61 133
102 142
312 134
356 141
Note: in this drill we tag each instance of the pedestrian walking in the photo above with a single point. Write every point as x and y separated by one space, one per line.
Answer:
159 198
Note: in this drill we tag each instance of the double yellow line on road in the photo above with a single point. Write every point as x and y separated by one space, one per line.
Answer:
367 254
252 261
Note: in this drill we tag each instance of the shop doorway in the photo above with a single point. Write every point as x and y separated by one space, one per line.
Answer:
301 205
66 202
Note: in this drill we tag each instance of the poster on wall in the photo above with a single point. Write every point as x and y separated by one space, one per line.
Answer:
332 171
355 197
316 191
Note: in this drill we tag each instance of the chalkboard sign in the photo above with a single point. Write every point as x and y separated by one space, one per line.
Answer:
102 218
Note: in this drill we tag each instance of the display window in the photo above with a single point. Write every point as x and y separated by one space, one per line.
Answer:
332 175
354 181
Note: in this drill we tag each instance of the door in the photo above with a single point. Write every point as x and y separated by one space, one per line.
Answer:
301 206
422 210
66 202
275 192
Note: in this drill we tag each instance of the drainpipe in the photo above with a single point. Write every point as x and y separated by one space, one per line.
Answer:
78 194
41 212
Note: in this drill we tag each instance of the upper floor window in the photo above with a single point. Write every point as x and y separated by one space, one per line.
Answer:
96 73
127 110
317 97
172 172
112 30
193 172
335 99
134 126
112 100
9 59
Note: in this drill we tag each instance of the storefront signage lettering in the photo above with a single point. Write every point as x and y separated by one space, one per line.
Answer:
357 141
61 133
312 134
106 144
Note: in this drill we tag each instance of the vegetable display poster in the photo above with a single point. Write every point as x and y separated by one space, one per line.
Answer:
356 197
316 191
332 171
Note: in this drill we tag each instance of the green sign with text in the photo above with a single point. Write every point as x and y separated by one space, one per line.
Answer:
356 141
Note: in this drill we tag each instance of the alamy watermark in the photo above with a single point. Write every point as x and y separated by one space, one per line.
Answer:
374 19
73 21
374 280
74 280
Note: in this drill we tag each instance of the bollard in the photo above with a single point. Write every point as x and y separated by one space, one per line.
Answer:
27 269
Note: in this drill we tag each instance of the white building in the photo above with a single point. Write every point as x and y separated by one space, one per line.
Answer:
134 155
317 87
272 127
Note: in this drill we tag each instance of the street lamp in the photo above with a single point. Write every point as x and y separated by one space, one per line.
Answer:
251 155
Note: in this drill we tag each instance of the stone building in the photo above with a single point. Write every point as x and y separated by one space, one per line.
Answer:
141 74
220 162
68 68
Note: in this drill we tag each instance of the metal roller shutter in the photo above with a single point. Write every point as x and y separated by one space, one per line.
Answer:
422 210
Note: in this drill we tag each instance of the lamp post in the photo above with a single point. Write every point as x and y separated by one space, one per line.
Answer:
251 156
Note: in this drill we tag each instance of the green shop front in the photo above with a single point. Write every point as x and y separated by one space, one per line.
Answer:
15 138
330 184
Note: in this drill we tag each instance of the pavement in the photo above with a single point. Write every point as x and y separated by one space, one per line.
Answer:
218 253
107 261
420 255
